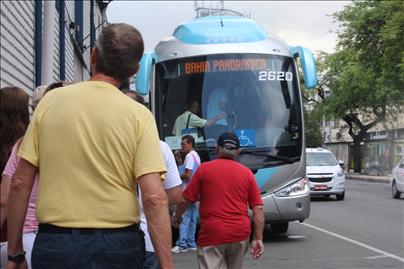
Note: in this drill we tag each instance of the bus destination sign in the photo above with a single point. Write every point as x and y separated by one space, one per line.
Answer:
194 67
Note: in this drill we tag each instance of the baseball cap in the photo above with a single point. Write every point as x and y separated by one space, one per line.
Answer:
228 141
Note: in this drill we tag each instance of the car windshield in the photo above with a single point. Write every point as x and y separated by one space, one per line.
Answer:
320 159
256 94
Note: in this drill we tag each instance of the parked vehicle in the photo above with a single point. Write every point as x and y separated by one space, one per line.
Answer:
397 182
326 175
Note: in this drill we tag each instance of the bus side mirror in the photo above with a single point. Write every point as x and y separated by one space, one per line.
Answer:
308 65
144 75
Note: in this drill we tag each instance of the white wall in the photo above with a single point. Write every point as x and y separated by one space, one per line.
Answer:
17 44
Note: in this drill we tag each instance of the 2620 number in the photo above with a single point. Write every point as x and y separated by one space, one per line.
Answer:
275 75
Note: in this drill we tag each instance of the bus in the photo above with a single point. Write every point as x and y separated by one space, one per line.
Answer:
230 64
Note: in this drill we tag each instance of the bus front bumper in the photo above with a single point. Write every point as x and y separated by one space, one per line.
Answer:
285 209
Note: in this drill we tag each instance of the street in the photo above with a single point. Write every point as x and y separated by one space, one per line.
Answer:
363 231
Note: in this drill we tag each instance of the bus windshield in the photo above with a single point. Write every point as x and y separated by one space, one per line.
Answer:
256 95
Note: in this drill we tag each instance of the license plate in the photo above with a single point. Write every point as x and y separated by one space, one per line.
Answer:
320 187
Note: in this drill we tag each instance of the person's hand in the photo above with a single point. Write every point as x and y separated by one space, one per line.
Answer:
176 221
14 265
257 249
222 115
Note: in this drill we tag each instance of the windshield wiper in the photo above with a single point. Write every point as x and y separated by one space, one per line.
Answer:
270 156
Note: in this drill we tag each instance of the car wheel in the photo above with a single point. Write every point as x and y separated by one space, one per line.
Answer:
341 196
396 193
280 227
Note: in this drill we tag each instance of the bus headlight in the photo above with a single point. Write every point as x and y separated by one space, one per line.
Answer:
300 187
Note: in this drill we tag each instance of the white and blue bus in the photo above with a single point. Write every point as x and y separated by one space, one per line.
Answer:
231 64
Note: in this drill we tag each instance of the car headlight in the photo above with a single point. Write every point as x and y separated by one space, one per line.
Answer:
300 187
340 174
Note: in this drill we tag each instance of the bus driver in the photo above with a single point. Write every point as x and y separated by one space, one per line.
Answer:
189 120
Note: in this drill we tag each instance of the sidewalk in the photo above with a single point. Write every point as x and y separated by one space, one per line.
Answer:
362 177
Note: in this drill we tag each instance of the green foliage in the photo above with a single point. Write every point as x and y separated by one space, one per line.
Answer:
312 130
365 74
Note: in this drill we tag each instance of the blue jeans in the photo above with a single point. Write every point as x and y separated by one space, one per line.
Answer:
187 228
88 251
150 261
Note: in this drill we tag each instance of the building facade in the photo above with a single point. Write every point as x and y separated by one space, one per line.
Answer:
381 151
47 41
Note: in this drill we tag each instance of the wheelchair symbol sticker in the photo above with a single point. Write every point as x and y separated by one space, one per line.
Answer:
246 137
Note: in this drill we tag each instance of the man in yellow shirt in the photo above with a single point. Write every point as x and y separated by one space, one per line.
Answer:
92 145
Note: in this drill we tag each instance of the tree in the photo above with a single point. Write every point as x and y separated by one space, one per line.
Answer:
312 130
366 73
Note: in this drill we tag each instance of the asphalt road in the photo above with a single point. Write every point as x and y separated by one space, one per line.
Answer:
366 230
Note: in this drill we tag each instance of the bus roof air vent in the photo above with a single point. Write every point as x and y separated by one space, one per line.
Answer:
219 30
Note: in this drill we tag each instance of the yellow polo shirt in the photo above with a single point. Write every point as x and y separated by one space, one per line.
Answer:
90 142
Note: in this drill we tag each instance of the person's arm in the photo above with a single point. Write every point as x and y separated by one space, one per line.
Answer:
256 205
5 189
187 174
155 205
174 195
189 164
216 118
196 121
189 196
8 172
176 218
257 246
20 191
172 182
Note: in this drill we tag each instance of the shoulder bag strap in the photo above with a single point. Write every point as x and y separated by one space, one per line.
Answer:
189 116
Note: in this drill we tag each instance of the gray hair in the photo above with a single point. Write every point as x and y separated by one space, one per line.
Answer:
230 153
37 94
119 49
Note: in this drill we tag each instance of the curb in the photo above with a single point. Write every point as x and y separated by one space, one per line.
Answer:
367 178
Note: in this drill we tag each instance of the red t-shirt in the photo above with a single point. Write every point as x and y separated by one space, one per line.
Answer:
225 189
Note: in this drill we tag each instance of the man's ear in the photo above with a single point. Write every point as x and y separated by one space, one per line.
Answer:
93 56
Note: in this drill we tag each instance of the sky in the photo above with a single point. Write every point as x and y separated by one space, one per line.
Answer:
305 23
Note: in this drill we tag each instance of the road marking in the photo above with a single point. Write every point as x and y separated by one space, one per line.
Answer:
376 257
296 236
355 242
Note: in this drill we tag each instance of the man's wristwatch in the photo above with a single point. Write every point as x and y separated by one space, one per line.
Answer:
19 257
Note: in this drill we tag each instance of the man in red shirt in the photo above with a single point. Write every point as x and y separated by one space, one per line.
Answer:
225 189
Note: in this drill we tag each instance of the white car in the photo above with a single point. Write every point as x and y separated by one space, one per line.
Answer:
325 174
397 182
